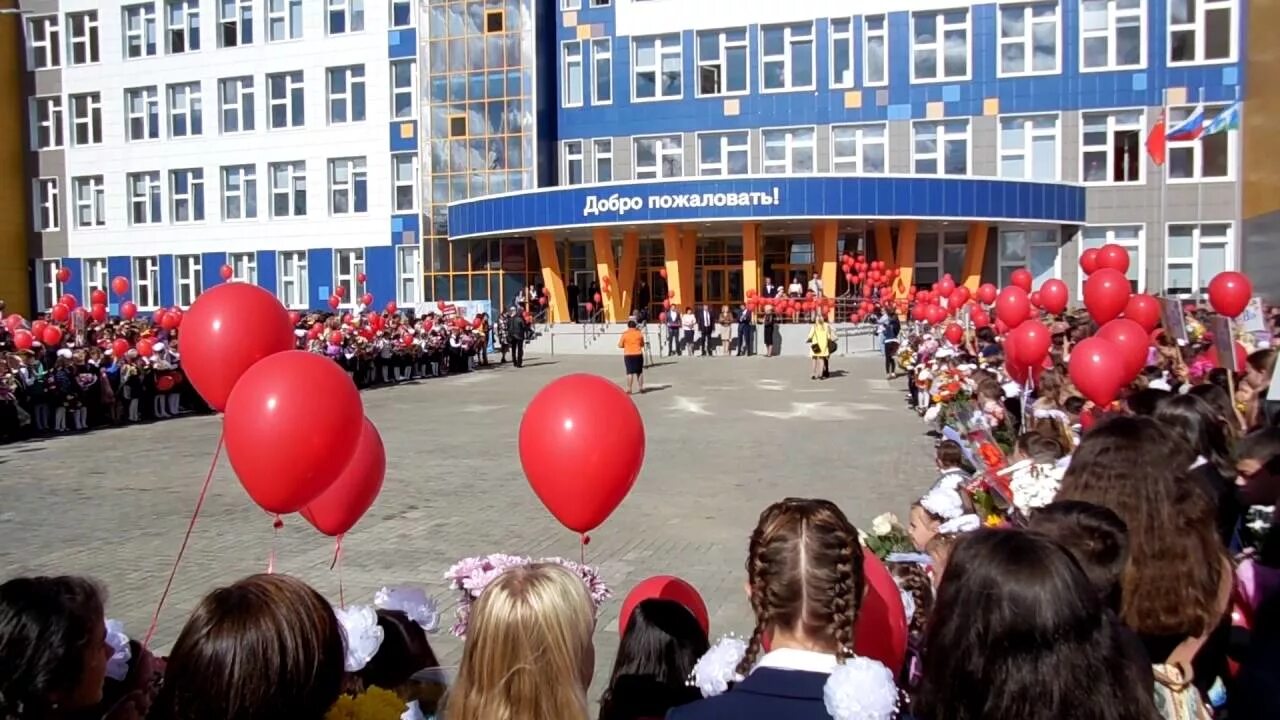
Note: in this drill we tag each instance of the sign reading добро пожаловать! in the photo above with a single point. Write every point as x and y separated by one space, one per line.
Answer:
622 204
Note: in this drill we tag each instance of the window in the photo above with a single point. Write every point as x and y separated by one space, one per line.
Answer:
48 122
401 13
940 45
186 195
1029 42
1195 254
48 205
859 148
409 272
86 119
570 4
724 153
1129 237
1202 31
288 189
571 72
941 147
658 67
1112 34
573 164
787 57
602 71
875 50
1029 147
244 267
186 118
139 30
91 203
658 157
348 186
284 20
182 25
457 126
1111 147
346 16
600 3
494 21
142 105
788 151
1035 250
404 182
722 62
346 94
239 192
94 271
347 267
1207 158
938 254
82 37
44 42
146 282
235 23
189 278
50 288
145 207
236 98
841 52
286 100
293 279
403 88
602 149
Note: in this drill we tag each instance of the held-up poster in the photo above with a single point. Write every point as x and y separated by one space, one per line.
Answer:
1224 345
1172 319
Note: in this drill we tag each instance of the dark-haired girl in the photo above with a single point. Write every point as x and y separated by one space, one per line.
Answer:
657 653
1194 421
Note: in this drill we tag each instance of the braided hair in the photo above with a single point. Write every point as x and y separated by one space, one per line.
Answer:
804 570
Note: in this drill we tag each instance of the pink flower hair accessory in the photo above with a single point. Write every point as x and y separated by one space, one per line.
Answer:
470 576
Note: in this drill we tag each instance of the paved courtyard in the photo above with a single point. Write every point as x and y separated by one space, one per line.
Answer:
726 436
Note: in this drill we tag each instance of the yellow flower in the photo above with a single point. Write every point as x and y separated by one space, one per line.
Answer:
373 704
992 520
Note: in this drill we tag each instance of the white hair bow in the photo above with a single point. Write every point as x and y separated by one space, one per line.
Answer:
961 524
943 502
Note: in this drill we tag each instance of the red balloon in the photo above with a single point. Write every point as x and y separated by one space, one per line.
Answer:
361 277
1144 310
1229 293
334 302
665 587
1133 341
146 347
128 310
596 298
1034 297
1097 369
341 506
226 272
666 304
37 328
119 285
954 333
340 291
918 312
880 631
98 297
64 274
1089 261
171 320
1053 296
958 297
119 347
1106 292
99 313
288 426
294 317
1031 342
979 317
1113 256
591 307
157 317
1001 327
52 335
232 327
392 308
367 300
547 291
60 312
581 446
408 341
69 300
543 301
662 272
946 285
335 338
1013 306
23 339
986 293
314 331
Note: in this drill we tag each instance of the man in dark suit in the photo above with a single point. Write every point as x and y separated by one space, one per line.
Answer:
671 318
643 298
706 325
746 331
770 290
572 291
517 331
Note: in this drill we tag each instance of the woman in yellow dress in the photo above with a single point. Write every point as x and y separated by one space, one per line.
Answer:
819 344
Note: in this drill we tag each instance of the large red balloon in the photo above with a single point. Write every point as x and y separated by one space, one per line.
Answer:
665 587
99 313
979 317
98 297
341 506
23 339
958 297
1030 344
60 312
64 274
1144 310
946 285
1106 292
935 314
119 347
51 335
128 310
918 312
1053 296
289 425
119 285
1089 261
1113 256
986 293
954 333
146 347
37 328
1013 305
231 327
1097 369
171 320
226 272
1022 278
69 300
1133 341
1229 293
880 632
581 446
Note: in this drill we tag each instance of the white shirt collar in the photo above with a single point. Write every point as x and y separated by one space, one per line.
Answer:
803 660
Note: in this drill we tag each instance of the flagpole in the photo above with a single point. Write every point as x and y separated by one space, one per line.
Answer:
1200 173
1238 221
1164 186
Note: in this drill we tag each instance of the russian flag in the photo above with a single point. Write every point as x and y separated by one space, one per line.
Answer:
1190 129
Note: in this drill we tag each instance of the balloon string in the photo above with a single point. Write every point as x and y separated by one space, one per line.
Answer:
582 548
337 562
182 549
275 539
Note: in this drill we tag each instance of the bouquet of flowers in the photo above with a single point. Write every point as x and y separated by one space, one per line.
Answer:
887 536
906 358
1033 484
470 576
372 704
436 342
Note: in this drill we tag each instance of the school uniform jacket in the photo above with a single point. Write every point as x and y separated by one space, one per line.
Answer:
766 694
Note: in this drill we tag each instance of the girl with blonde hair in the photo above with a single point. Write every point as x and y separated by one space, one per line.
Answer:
528 654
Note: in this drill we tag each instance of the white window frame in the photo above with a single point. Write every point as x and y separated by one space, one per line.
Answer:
400 164
1029 133
181 20
149 116
1112 128
50 288
188 279
144 37
409 273
48 204
571 68
190 203
944 133
861 141
939 45
150 200
601 69
349 280
44 42
728 143
239 21
568 5
146 282
91 123
662 152
404 92
353 100
602 151
236 96
46 117
790 144
938 264
1114 16
793 35
1109 234
352 14
292 287
667 46
83 38
95 276
1036 237
1196 147
881 32
244 267
280 15
840 30
295 180
1199 280
356 170
1027 40
294 116
568 156
720 63
240 183
1198 27
189 105
89 195
408 5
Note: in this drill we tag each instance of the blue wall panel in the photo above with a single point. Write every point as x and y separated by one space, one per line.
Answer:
401 224
75 286
211 269
404 144
267 270
319 277
380 274
168 279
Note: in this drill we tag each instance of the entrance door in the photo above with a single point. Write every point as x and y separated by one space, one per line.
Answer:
657 290
719 285
583 279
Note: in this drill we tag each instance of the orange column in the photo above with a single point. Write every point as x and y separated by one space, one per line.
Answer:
750 258
558 301
689 259
825 236
906 256
975 250
606 268
15 187
884 244
626 279
671 245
